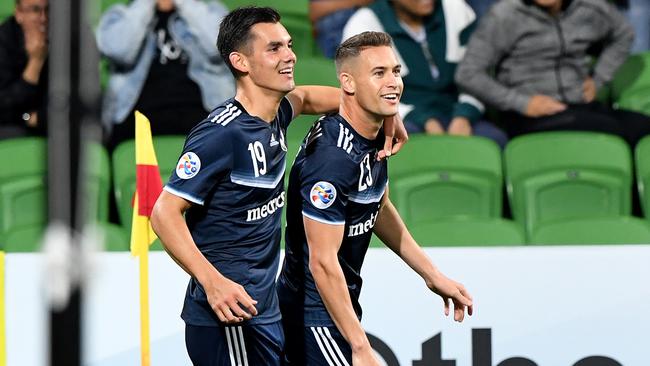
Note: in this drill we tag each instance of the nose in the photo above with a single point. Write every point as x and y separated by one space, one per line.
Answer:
392 80
290 56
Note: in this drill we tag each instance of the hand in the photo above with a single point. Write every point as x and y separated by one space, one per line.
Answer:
36 43
460 126
225 298
589 90
396 136
449 289
33 120
433 127
365 357
543 105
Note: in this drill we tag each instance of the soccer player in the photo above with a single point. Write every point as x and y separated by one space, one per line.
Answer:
337 198
229 184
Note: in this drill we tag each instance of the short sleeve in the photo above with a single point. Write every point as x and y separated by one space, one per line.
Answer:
206 157
285 113
326 181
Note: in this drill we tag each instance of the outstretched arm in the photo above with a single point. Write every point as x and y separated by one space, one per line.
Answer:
314 99
391 230
223 294
324 241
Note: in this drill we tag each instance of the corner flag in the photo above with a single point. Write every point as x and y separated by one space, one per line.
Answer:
148 187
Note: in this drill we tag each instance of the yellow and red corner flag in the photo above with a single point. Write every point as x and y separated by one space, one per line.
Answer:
148 187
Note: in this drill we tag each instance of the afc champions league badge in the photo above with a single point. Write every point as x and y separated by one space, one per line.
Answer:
188 165
322 195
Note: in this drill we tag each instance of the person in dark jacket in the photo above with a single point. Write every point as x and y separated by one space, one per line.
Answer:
23 70
544 78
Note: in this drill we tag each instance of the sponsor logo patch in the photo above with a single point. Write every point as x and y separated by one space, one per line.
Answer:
188 165
322 195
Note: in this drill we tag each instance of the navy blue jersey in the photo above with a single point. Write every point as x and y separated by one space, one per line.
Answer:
232 169
335 180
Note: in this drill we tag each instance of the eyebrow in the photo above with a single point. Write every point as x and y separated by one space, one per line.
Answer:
383 68
278 43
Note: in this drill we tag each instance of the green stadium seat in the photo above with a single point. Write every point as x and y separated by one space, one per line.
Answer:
98 179
168 150
642 160
555 176
435 177
464 232
24 239
297 131
633 75
316 71
30 238
23 191
607 230
631 84
636 100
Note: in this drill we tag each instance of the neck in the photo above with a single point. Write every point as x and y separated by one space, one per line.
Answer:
259 102
555 9
365 123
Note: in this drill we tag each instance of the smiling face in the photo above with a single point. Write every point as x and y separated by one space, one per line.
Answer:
375 80
269 60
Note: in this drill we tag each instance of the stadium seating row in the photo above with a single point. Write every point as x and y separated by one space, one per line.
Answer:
563 187
558 184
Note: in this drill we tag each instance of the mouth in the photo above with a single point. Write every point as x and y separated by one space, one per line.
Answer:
391 97
288 71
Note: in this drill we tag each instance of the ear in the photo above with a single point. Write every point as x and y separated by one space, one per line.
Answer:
239 61
18 15
347 83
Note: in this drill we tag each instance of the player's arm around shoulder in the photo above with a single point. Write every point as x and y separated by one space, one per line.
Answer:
224 295
314 99
393 232
324 241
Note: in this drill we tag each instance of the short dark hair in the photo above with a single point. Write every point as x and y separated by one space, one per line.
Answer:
353 46
235 30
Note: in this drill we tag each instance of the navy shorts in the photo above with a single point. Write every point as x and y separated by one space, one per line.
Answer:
235 345
315 346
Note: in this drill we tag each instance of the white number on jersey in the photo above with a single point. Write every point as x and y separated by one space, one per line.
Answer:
258 157
365 177
345 139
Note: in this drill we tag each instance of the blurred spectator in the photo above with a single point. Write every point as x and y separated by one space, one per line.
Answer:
329 18
429 38
23 70
164 63
544 78
481 6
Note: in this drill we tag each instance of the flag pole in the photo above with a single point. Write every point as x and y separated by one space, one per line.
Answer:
144 308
